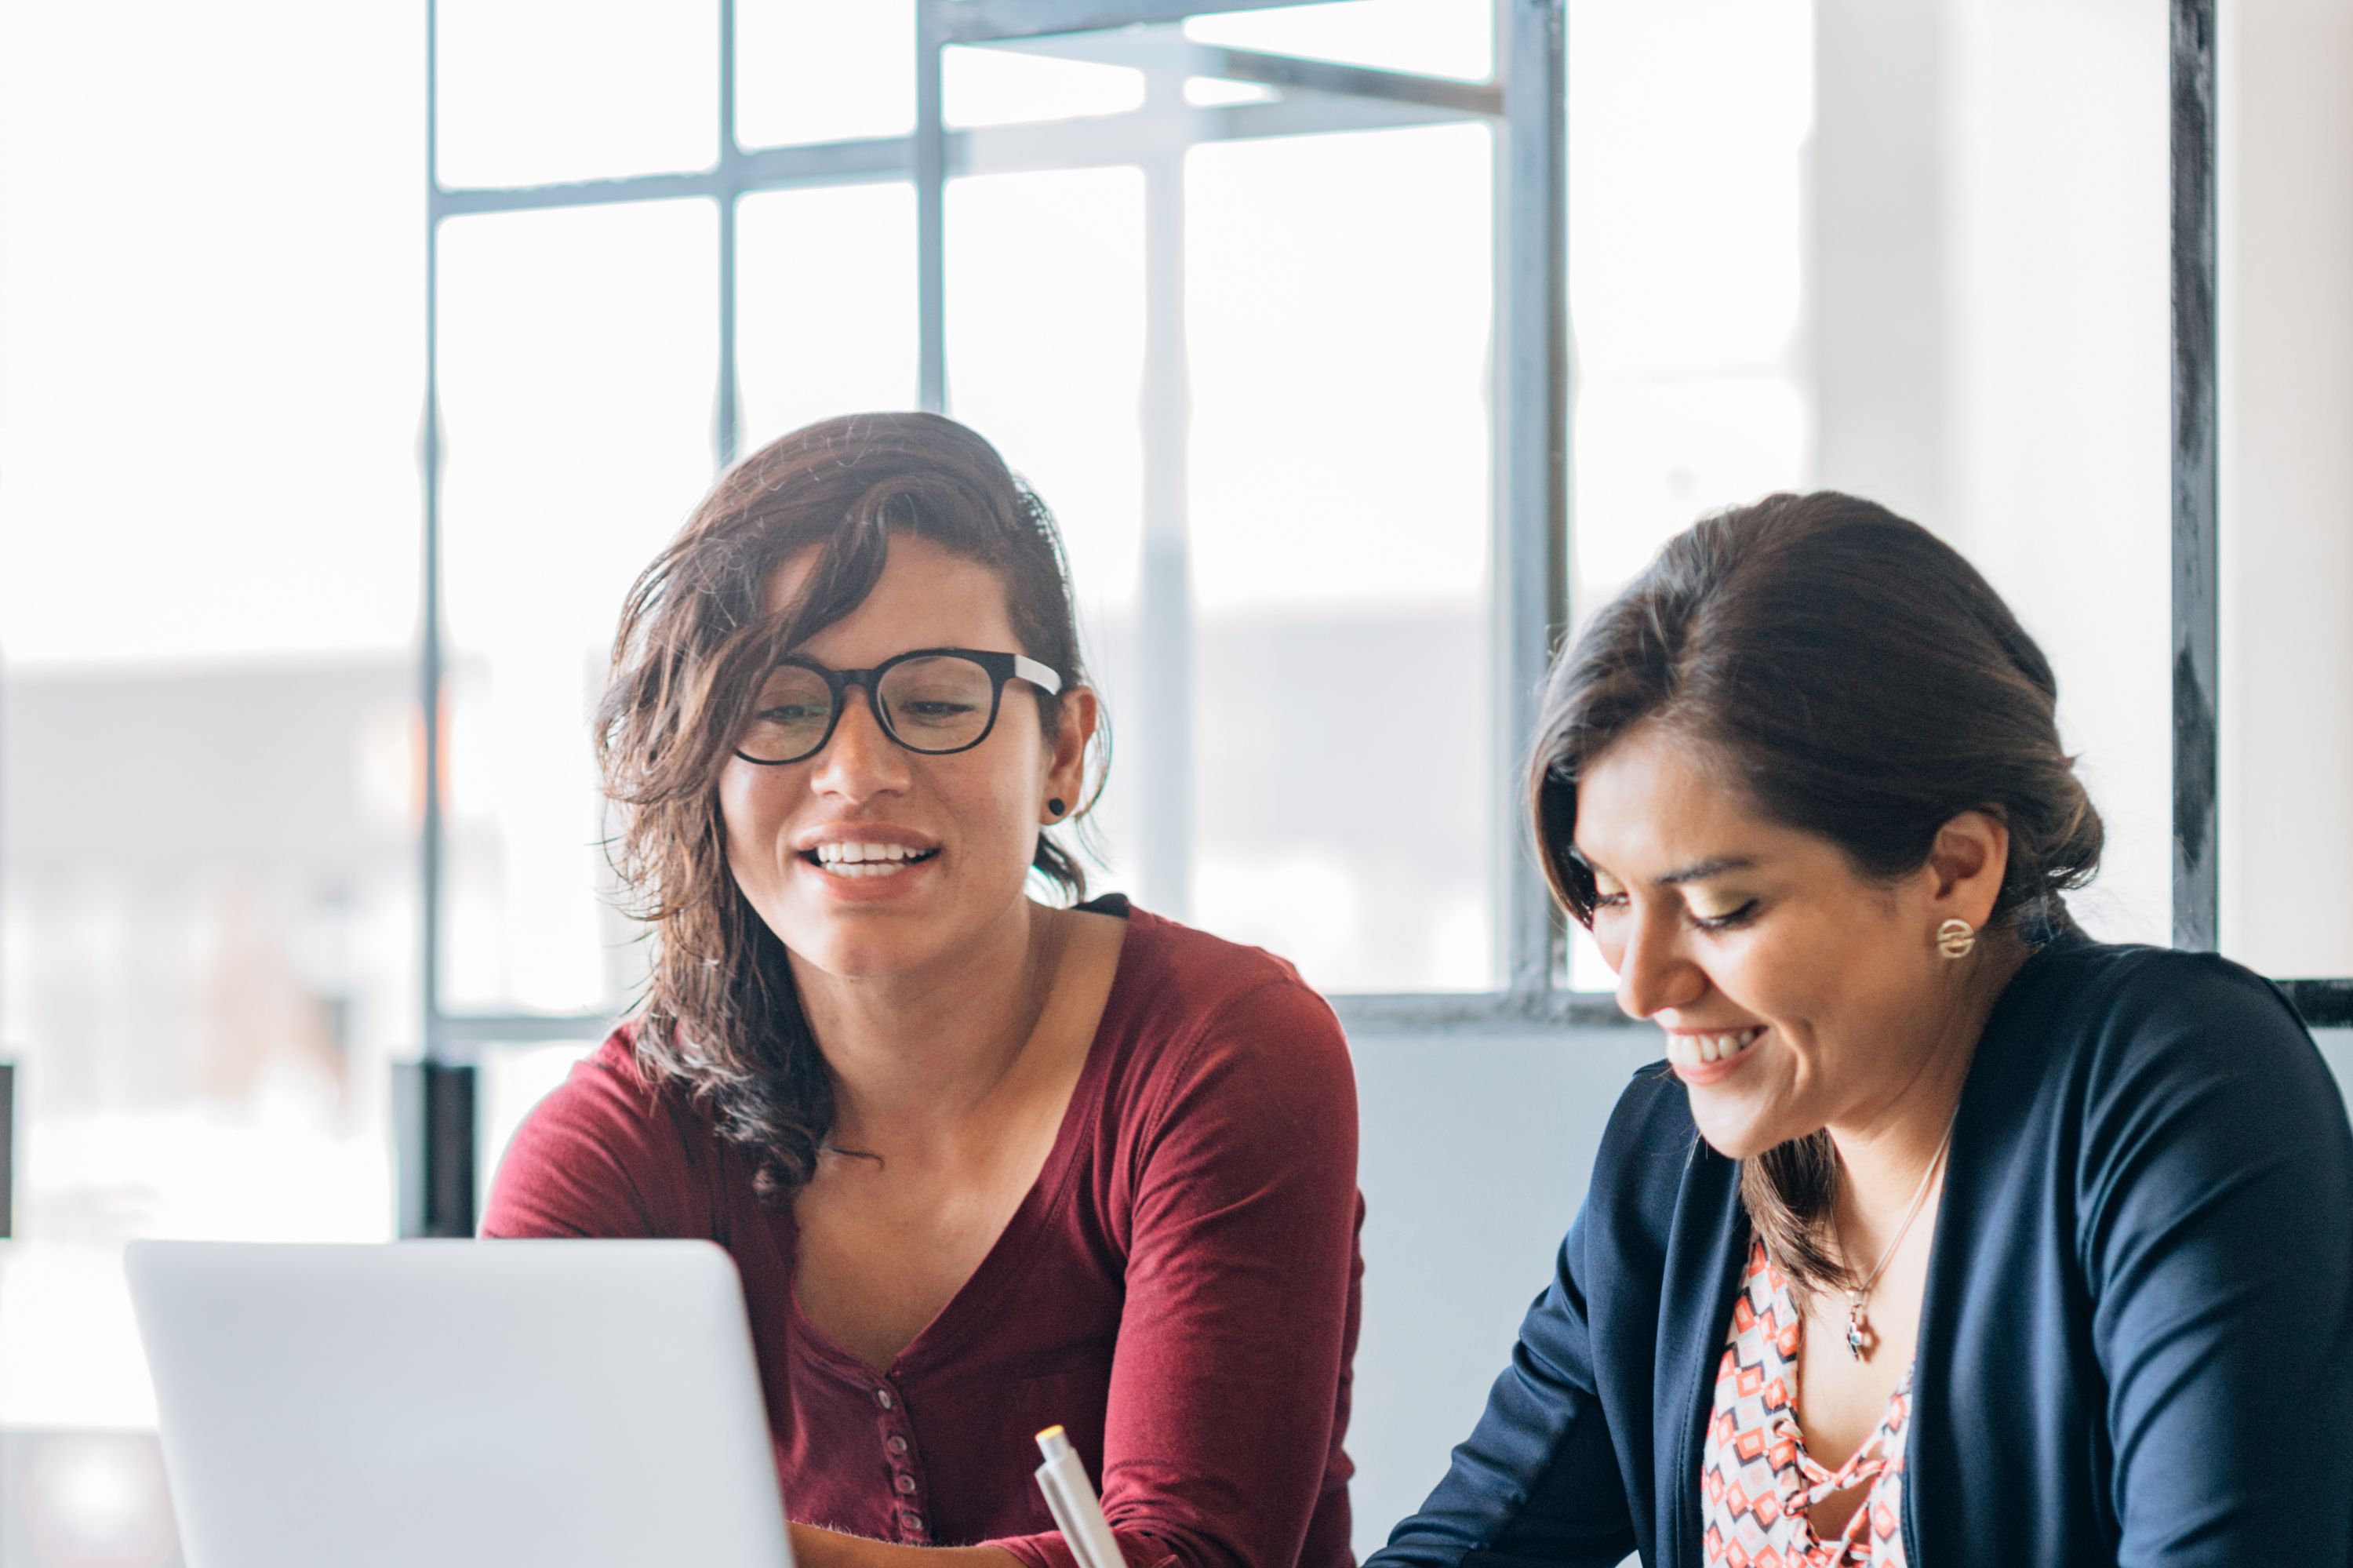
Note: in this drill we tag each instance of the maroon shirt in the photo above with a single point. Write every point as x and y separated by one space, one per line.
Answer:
1179 1288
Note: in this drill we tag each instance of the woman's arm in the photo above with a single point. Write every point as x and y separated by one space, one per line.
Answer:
1228 1389
2215 1203
1537 1480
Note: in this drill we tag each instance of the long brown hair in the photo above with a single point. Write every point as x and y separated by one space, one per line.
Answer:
1866 684
720 1017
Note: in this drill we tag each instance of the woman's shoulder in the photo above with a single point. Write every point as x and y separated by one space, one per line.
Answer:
609 1151
1189 1005
2119 1049
1190 979
2131 1006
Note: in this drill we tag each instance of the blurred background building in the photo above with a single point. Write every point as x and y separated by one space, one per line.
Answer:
1238 320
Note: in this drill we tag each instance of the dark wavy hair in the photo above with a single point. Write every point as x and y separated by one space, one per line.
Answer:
720 1017
1864 684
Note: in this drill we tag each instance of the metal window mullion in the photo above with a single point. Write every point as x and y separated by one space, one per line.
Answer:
429 633
1165 630
433 1099
931 212
727 417
2195 536
1531 537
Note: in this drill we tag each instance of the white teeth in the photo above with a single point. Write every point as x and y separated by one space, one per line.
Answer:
1697 1049
851 857
853 852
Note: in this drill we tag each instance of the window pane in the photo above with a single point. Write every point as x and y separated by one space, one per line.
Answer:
578 360
532 92
1339 305
209 503
1840 244
1688 121
825 286
823 70
1045 352
1988 216
1431 37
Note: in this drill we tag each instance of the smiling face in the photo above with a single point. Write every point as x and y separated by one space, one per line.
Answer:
1795 993
867 860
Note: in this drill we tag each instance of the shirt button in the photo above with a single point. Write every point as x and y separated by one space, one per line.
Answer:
897 1445
905 1483
913 1523
883 1397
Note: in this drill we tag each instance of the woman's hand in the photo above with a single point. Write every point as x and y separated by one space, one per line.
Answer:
816 1548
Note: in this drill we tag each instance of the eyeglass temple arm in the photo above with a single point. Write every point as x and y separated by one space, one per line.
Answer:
1037 674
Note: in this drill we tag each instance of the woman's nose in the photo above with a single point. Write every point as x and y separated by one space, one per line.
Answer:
859 761
1654 973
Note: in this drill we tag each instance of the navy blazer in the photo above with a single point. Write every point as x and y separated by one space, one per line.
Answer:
2137 1344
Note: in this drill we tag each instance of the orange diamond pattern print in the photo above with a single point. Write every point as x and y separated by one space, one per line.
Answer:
1756 1481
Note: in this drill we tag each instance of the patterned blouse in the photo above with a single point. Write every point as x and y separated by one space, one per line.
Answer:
1756 1481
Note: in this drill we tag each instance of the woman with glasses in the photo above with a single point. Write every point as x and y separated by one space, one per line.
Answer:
1944 1235
986 1163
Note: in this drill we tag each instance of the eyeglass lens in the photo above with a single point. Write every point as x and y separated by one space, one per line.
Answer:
941 703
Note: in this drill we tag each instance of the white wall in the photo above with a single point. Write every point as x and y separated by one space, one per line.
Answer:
2286 178
1476 1149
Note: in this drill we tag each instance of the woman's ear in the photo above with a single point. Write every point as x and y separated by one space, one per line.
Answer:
1066 763
1968 864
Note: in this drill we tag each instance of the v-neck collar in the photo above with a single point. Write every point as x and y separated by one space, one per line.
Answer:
1700 1337
942 1338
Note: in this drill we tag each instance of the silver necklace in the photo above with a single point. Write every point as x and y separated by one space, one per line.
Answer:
1858 1321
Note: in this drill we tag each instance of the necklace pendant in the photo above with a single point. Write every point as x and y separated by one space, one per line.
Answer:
1857 1330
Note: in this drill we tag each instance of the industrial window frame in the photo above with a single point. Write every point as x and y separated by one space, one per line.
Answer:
1531 530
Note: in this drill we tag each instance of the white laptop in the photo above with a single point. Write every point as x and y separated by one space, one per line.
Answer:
462 1404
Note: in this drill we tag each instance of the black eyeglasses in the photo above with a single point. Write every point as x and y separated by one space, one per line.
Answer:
933 700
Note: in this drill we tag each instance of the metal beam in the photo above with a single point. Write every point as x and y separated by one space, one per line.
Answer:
464 1033
2325 1004
1304 75
1531 549
861 161
2195 570
1487 1012
1144 50
1091 141
986 21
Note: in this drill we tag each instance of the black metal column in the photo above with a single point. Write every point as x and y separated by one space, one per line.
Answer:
433 1121
2195 594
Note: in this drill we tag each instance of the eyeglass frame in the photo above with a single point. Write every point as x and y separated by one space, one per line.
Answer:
1000 668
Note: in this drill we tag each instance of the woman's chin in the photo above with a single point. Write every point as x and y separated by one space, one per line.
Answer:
1735 1132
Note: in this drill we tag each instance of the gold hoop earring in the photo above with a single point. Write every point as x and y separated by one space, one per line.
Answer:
1956 937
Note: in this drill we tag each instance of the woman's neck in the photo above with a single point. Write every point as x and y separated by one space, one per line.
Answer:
912 1055
1885 1149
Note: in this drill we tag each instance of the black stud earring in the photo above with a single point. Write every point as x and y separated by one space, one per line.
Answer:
1054 807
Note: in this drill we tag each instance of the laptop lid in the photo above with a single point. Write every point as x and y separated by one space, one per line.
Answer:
468 1404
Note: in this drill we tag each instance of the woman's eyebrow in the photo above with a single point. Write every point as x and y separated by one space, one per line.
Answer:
1700 871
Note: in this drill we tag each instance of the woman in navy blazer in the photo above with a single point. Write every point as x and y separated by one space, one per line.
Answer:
2042 1249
